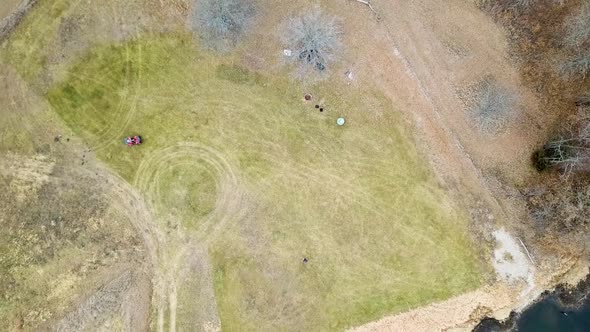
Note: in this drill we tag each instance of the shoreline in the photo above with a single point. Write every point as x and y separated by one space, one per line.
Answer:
491 305
568 296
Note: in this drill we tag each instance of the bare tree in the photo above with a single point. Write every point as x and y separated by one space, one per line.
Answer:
314 38
570 151
221 23
494 105
564 207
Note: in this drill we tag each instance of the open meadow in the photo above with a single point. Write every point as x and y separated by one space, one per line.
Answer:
245 179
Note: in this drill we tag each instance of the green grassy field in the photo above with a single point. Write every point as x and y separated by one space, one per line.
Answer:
241 163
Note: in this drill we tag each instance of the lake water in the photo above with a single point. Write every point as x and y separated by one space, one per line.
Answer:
548 316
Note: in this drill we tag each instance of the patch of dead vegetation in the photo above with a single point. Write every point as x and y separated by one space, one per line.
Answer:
557 208
55 238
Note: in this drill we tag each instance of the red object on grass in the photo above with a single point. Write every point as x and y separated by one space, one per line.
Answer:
132 140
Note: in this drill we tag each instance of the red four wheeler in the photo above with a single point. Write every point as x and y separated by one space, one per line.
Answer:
132 140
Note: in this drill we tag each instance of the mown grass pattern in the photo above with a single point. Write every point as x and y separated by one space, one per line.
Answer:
359 201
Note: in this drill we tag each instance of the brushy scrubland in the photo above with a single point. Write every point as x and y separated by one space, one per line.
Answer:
59 235
577 39
550 40
55 239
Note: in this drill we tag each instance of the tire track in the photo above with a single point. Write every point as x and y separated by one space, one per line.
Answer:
181 244
113 133
230 195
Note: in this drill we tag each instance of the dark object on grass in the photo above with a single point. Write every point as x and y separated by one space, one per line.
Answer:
317 106
305 260
321 109
307 97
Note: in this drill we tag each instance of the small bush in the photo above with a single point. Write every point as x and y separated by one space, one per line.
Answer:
494 106
221 23
314 39
570 151
554 154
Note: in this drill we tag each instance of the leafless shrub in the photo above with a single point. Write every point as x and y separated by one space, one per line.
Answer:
563 208
570 151
221 23
314 38
578 27
494 105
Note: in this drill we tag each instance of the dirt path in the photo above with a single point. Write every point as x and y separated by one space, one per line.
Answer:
7 7
129 293
423 52
183 253
444 315
11 15
173 254
426 95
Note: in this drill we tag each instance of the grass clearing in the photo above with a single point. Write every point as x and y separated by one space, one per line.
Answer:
358 201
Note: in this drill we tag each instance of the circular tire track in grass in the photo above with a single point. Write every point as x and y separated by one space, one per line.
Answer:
230 197
150 179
